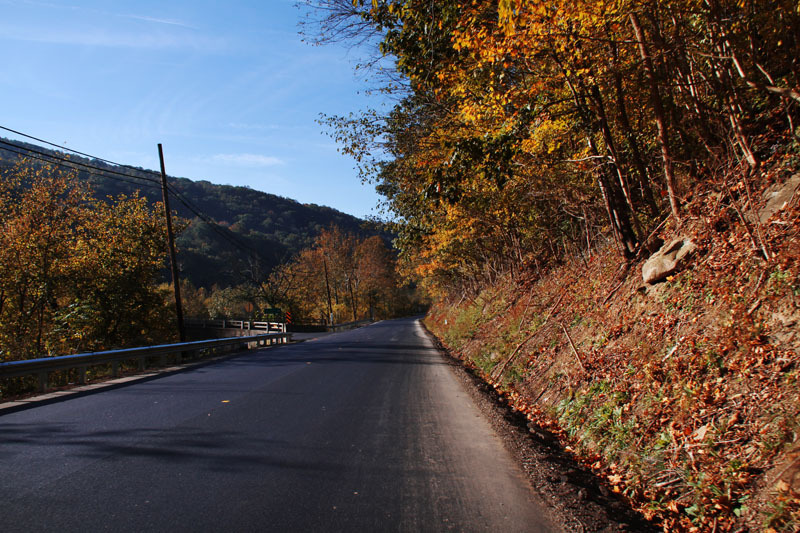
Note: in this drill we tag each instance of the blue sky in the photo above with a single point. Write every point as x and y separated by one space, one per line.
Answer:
228 88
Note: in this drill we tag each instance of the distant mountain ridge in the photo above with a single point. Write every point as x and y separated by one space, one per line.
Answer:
272 227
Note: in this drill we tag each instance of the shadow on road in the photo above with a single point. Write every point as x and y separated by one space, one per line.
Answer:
207 450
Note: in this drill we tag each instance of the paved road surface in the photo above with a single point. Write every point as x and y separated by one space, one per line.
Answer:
366 430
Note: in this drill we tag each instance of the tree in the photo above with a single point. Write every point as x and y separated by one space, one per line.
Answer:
76 274
341 278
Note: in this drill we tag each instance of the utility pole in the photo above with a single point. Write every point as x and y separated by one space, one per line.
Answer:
171 243
328 287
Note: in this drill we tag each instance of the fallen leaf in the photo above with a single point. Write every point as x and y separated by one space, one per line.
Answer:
700 433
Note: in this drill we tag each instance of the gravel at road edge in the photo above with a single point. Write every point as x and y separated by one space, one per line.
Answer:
577 499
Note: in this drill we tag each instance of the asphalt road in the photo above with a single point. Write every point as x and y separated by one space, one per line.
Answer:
366 430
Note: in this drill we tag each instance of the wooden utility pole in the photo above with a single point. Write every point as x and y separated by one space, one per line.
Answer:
328 288
171 243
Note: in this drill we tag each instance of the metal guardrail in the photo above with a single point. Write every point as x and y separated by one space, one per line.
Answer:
43 366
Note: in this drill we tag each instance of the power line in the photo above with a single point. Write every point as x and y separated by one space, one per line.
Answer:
77 163
221 231
101 172
90 156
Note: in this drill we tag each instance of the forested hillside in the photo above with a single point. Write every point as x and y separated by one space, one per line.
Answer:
249 223
537 157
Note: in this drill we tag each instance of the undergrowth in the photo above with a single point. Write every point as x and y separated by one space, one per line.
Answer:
684 394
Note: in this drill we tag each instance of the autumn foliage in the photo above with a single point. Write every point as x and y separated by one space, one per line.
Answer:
526 130
76 274
341 278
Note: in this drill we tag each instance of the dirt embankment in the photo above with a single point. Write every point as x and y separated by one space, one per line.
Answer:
683 393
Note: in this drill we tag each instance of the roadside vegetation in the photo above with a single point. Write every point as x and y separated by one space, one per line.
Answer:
683 395
77 274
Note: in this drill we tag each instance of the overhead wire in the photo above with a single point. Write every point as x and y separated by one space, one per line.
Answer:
76 163
101 173
221 231
90 156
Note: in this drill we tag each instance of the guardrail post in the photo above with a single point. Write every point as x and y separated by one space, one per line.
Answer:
82 375
42 381
141 364
115 368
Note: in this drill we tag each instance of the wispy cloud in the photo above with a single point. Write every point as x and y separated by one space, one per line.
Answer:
112 39
86 26
155 20
248 126
248 160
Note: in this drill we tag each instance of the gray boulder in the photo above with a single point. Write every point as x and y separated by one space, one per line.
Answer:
667 260
779 196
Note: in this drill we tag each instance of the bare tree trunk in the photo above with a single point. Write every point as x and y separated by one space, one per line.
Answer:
616 204
617 212
352 298
658 110
636 155
588 237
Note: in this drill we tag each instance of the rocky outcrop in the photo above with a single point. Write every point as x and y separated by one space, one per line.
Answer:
667 260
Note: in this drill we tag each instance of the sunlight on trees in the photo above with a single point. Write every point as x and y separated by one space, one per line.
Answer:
76 274
528 130
342 278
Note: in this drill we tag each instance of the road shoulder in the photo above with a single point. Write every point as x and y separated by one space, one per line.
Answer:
576 498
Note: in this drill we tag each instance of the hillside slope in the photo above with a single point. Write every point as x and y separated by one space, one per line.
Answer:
683 393
274 227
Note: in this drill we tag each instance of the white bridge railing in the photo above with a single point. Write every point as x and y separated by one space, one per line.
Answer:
235 324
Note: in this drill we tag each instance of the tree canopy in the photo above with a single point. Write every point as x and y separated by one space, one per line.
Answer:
526 128
76 274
